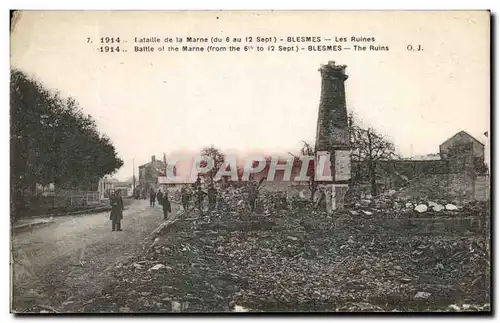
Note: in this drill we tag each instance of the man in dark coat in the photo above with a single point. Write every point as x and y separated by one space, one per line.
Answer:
166 206
152 198
116 215
185 197
212 197
159 197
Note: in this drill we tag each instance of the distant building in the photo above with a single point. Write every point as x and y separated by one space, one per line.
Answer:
462 139
149 173
108 184
463 151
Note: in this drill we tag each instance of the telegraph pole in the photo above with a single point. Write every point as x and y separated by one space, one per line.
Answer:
133 173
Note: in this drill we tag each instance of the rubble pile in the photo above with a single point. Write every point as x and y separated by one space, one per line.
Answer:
393 205
303 259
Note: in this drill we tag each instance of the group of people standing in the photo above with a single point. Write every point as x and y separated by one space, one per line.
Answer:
186 195
199 194
212 194
117 207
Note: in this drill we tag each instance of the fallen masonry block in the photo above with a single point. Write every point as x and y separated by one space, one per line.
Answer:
157 267
422 295
421 208
438 207
451 207
238 308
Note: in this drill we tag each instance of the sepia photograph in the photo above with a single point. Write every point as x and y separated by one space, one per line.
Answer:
250 162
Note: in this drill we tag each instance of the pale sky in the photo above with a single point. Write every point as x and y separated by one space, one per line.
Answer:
150 103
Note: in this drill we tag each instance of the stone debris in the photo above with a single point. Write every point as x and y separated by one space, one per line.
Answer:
438 208
421 208
238 308
422 295
391 192
451 207
365 202
157 267
356 255
431 204
176 307
365 307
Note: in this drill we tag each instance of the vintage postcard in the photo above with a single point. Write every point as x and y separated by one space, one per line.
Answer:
250 161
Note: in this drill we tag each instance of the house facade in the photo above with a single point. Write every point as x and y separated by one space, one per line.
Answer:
150 172
464 152
108 184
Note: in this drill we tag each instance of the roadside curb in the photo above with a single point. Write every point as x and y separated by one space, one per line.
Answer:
94 210
31 225
49 216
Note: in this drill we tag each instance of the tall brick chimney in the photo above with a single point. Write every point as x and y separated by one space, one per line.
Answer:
332 133
153 158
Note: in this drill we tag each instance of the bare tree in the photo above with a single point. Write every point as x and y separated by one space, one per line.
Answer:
218 159
368 148
309 150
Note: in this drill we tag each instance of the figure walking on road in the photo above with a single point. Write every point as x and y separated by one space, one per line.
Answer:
185 197
152 198
116 211
159 197
166 206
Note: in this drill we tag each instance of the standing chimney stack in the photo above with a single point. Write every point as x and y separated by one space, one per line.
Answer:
332 129
332 133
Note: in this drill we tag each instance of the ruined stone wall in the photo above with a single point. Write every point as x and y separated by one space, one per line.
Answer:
450 187
482 188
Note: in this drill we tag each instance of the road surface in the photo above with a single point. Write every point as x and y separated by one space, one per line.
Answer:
58 264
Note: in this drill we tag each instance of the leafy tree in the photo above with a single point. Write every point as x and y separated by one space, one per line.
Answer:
52 141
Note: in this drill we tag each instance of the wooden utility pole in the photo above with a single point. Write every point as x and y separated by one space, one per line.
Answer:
133 173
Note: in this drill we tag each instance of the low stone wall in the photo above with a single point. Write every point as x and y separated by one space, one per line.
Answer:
448 187
436 224
482 188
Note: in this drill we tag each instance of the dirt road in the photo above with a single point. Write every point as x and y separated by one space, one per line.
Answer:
55 265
